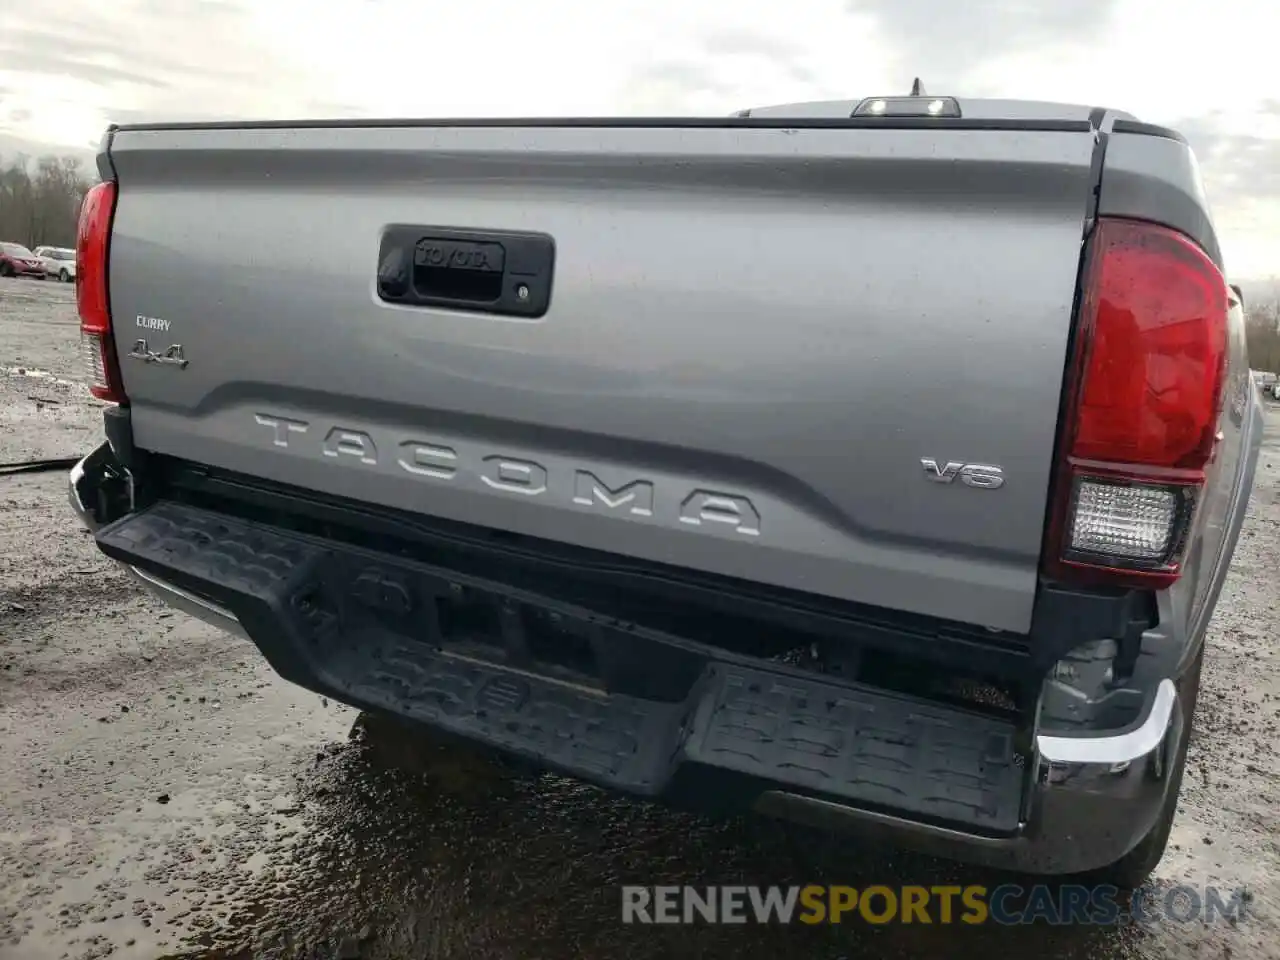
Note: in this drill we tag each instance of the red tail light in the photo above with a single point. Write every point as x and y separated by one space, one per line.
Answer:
97 345
1145 396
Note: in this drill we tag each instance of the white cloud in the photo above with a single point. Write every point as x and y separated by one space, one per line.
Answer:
563 57
1249 237
1160 60
62 80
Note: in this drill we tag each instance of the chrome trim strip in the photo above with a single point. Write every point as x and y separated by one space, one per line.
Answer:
73 481
1119 749
188 603
814 811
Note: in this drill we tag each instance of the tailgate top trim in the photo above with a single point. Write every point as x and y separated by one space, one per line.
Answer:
717 123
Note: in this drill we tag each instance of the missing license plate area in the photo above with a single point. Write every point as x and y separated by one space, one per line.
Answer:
486 626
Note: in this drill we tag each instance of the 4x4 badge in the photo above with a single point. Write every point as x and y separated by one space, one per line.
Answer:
172 355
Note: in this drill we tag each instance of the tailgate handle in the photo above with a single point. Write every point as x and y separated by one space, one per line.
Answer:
498 272
459 269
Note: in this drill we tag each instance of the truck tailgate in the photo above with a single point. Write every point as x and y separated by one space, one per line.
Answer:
755 339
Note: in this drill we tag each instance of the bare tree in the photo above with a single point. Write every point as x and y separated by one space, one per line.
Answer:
1263 331
40 200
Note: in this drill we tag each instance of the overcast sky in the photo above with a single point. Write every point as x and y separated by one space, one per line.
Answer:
69 68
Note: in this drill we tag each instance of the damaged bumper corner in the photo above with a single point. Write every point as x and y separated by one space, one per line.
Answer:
83 484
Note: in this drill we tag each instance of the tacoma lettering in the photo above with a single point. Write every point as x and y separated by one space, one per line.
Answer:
603 491
636 496
428 459
351 443
518 476
706 506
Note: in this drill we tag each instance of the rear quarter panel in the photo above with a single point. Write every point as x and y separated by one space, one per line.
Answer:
1153 175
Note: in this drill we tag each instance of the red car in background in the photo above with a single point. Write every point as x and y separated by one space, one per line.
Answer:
17 261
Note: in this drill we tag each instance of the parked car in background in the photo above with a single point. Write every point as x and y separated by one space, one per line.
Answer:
58 262
17 261
1268 384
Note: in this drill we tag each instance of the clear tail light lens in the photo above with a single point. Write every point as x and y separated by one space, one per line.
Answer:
1136 522
94 364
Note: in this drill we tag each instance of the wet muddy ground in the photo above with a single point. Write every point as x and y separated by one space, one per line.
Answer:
163 794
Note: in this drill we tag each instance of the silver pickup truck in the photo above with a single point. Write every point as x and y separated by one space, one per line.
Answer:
870 464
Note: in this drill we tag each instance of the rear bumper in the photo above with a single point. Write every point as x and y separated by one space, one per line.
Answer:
716 730
82 483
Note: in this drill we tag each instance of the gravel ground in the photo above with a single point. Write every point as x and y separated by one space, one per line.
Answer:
166 795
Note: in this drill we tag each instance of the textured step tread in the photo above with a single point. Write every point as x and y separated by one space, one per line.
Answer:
237 554
603 737
860 746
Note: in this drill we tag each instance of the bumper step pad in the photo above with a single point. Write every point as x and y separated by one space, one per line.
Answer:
301 600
